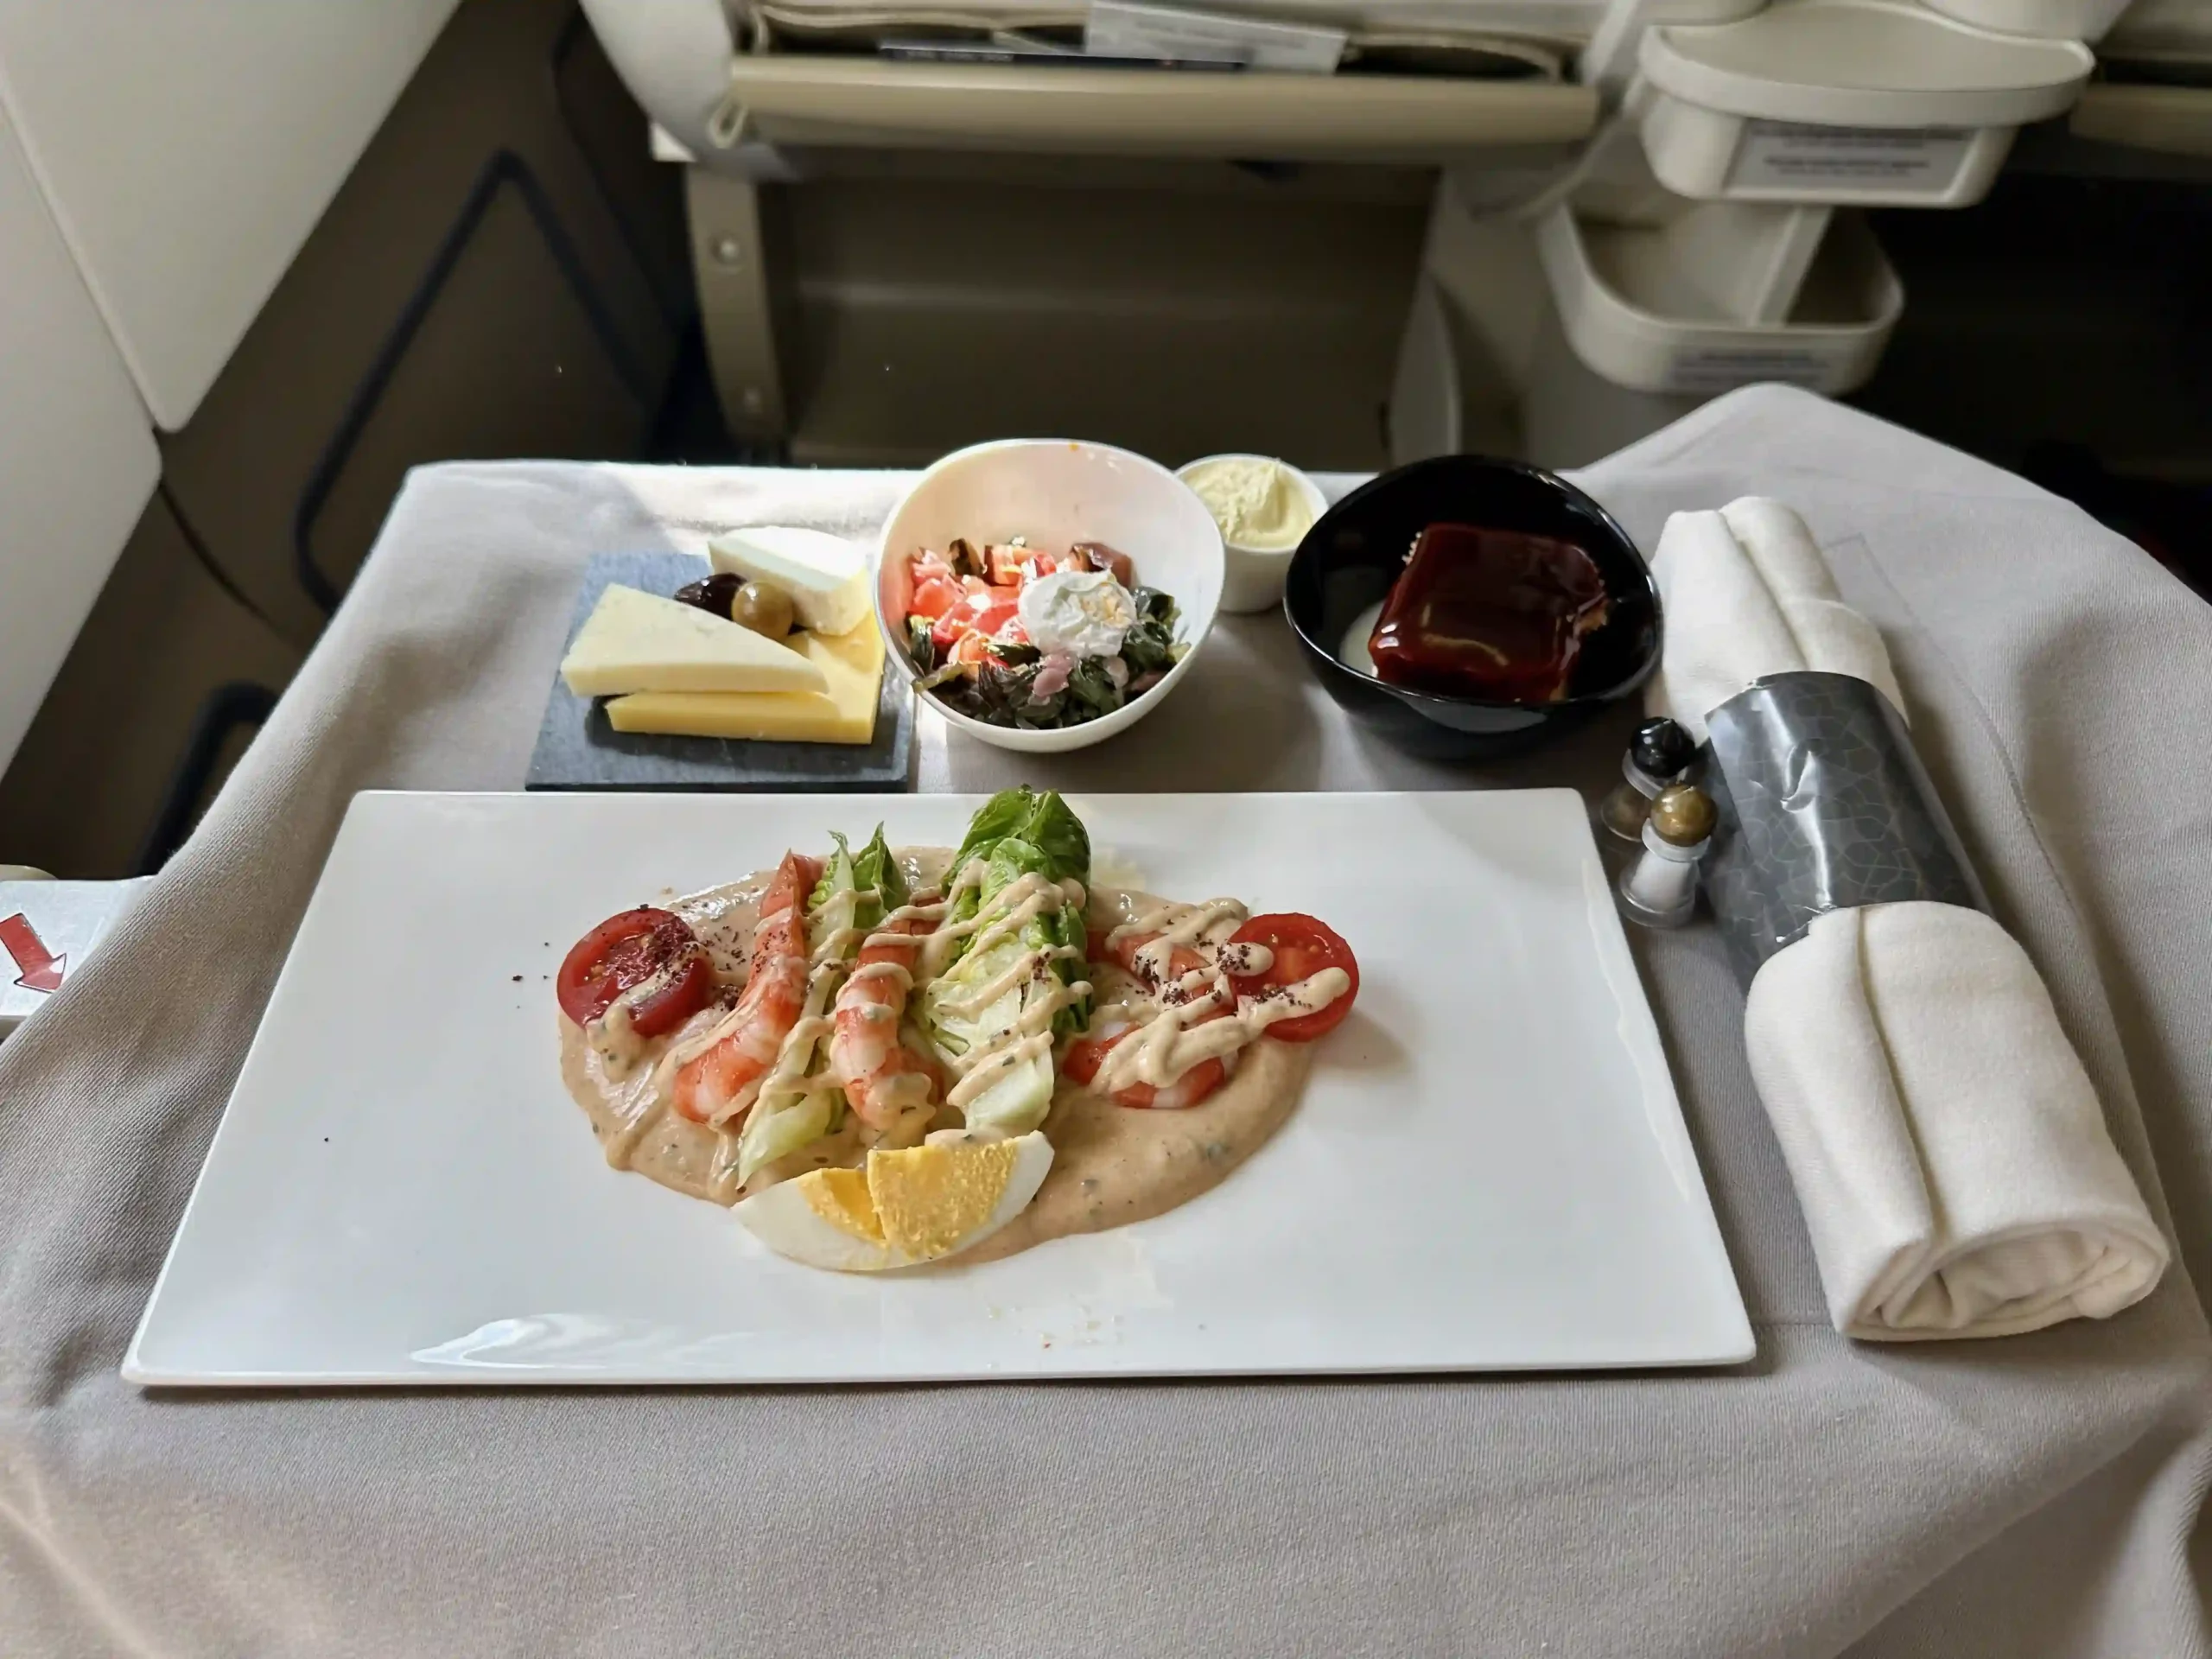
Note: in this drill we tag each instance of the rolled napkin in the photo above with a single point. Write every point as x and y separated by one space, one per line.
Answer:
1948 1149
1745 592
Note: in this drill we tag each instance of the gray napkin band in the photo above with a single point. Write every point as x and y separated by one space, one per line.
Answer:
1823 805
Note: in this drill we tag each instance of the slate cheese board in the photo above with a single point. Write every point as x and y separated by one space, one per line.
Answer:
578 749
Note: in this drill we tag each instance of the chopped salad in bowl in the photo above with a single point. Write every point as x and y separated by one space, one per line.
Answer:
1033 638
1045 593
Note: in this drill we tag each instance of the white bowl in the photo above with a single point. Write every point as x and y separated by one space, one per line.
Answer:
1254 575
1055 491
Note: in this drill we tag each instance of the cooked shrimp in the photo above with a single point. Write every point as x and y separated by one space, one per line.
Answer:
886 1084
718 1084
1137 954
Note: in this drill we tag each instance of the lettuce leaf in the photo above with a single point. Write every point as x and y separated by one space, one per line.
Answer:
872 872
1018 832
768 1136
874 876
1046 822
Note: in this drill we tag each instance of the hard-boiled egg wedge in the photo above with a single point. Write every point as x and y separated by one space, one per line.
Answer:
918 1205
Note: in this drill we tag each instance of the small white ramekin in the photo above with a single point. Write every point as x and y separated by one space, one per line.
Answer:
1252 576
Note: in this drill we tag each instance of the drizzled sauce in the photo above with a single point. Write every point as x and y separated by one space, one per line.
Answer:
1198 1015
1111 1166
1006 913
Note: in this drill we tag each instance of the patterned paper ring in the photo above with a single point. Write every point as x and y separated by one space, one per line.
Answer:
1823 805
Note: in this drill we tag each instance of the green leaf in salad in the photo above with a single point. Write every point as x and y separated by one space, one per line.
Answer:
1152 605
836 875
1018 832
770 1133
1044 821
1149 646
775 1129
1006 693
873 873
921 647
1001 815
1091 687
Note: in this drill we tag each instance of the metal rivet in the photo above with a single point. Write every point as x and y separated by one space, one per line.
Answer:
728 250
753 400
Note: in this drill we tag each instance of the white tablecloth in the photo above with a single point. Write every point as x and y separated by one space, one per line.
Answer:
2032 1496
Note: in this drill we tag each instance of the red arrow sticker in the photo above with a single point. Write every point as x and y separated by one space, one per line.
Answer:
41 968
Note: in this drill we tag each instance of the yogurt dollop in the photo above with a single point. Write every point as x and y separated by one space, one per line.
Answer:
1083 612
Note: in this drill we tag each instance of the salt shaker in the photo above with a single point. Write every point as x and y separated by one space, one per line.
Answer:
1657 755
1660 888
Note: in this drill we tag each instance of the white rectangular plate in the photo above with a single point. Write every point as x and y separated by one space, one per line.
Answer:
1489 1170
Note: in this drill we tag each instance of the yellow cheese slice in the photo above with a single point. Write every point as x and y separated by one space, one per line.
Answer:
851 664
636 641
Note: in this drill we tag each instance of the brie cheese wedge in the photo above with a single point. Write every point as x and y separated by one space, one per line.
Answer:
826 575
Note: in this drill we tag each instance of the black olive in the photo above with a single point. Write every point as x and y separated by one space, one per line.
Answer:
712 593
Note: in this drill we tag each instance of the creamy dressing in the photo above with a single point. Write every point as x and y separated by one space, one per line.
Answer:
613 1037
1112 1163
995 922
637 1130
1011 909
1184 1034
1196 1016
792 1078
1188 925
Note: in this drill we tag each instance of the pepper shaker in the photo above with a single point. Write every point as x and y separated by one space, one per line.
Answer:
1657 755
1660 888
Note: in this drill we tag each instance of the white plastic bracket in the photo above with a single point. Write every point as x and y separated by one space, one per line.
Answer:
1609 62
1752 259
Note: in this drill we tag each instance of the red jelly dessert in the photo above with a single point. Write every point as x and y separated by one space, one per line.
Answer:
1493 613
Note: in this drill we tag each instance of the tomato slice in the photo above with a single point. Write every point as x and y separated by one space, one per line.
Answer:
1302 947
1084 1056
985 613
627 951
1081 1063
1008 566
959 619
933 598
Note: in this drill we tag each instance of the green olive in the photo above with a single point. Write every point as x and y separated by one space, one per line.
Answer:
763 607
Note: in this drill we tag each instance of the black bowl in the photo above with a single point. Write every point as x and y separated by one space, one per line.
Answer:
1354 553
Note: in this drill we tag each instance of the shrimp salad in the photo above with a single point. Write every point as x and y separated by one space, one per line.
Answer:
1026 637
852 1019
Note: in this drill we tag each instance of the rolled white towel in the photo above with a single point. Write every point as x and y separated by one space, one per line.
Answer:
1946 1144
1745 592
1948 1149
